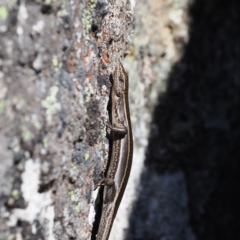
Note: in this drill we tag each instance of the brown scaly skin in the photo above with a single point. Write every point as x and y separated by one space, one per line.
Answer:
122 151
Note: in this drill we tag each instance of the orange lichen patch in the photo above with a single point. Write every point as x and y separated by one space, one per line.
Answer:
71 62
105 57
88 181
87 230
89 77
45 72
90 172
86 60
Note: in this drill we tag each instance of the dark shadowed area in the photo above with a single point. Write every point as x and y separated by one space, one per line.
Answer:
190 186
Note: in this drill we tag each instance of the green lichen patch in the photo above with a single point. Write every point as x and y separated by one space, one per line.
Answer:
92 5
11 237
15 194
74 167
87 18
55 61
37 124
77 208
3 13
63 4
103 128
48 2
87 94
86 156
26 134
50 103
87 21
45 142
72 196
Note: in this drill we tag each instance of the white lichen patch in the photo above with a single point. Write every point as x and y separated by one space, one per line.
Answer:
133 3
92 212
38 204
38 27
22 14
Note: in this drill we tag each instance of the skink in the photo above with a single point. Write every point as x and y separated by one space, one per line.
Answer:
121 156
